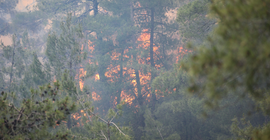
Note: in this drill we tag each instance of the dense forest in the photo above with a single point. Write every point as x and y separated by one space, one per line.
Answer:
135 69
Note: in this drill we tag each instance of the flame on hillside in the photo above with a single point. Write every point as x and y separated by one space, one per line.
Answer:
145 76
113 71
82 73
97 77
91 47
180 52
144 38
127 98
95 96
76 116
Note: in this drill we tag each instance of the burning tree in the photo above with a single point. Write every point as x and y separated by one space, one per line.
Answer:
98 127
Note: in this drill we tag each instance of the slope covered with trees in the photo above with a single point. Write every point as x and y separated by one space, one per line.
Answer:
123 69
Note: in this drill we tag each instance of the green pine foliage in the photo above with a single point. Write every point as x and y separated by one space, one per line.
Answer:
64 50
38 73
234 61
35 117
14 63
194 21
106 128
227 69
230 64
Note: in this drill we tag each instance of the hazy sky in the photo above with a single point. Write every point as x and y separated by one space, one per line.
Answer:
22 8
23 3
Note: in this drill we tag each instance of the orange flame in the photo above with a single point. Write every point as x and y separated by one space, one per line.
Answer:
115 56
111 71
127 98
145 39
180 52
82 73
95 96
97 77
76 116
91 47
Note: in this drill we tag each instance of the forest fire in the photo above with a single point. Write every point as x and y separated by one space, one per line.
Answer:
180 52
91 47
113 71
145 39
76 116
115 56
82 73
95 96
97 77
127 98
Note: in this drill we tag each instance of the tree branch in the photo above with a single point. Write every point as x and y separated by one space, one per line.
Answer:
160 133
118 128
114 116
103 135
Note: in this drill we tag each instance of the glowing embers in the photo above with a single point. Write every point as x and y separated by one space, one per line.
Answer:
180 52
114 101
90 54
115 56
144 78
95 96
84 114
97 77
82 73
127 98
125 54
112 73
144 84
145 39
146 92
91 47
76 116
143 57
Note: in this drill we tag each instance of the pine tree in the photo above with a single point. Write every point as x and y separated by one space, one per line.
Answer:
234 61
64 51
33 118
189 113
37 74
15 59
194 20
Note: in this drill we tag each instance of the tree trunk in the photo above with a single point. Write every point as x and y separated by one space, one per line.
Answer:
152 28
109 134
12 62
95 7
121 77
69 121
152 37
139 115
139 88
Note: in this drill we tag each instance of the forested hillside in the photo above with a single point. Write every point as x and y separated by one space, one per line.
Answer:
134 69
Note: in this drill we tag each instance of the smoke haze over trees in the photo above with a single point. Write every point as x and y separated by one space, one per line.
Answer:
134 69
